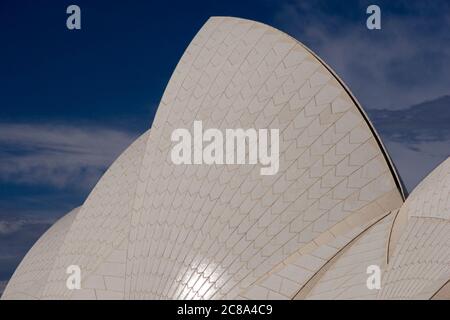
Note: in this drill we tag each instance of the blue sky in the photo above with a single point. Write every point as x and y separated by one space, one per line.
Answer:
71 101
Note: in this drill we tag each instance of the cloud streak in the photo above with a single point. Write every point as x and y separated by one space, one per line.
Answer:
12 226
61 156
391 71
415 161
418 138
63 162
402 64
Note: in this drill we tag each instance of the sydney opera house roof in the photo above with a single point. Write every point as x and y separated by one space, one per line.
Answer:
152 229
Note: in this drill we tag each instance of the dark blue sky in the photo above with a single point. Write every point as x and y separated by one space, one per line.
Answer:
114 69
71 101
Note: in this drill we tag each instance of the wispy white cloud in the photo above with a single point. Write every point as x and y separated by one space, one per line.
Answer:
68 158
403 64
62 156
415 161
8 227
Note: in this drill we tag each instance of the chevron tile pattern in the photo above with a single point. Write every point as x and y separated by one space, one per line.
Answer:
76 239
420 262
151 229
415 263
30 277
209 232
96 253
346 276
294 275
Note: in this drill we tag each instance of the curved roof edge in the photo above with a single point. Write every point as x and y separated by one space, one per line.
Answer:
398 181
44 250
306 289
